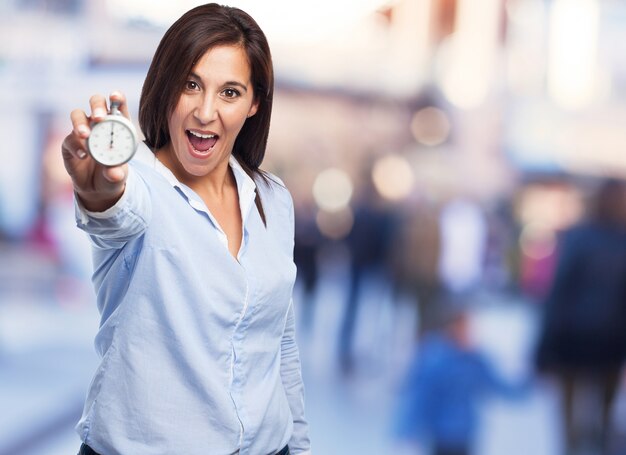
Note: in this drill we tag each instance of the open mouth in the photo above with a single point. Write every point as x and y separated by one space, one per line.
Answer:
201 142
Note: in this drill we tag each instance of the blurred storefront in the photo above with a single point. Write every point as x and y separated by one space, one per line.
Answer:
467 99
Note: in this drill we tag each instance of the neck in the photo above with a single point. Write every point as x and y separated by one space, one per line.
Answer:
214 184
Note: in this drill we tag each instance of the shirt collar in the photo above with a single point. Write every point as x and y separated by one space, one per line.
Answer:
246 187
245 184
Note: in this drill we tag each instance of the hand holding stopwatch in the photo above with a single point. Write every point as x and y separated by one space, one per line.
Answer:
113 141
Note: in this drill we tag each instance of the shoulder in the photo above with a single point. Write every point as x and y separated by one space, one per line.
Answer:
275 195
143 162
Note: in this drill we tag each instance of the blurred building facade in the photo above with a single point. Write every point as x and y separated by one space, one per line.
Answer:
442 97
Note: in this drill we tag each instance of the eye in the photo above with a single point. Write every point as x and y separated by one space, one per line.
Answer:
191 85
231 93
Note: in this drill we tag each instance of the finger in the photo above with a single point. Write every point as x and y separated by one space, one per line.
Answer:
115 174
75 144
72 148
80 124
118 96
98 105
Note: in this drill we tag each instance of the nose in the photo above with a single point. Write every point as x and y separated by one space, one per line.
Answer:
206 110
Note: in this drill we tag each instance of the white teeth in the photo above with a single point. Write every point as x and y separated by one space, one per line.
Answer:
202 136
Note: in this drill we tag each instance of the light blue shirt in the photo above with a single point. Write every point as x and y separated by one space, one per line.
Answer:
198 348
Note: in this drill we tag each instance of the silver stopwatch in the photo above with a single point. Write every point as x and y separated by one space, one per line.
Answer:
113 141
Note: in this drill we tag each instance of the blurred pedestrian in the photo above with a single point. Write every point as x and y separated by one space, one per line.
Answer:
193 257
416 253
582 341
369 244
308 242
445 385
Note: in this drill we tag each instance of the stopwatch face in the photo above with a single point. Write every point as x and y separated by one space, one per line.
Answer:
112 141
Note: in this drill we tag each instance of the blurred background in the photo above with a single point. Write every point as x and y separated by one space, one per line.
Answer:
436 151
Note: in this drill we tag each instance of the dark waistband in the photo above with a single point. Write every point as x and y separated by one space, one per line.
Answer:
86 450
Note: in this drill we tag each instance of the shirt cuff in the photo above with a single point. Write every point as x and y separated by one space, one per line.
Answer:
84 214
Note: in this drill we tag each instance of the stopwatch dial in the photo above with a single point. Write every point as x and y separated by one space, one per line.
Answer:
111 142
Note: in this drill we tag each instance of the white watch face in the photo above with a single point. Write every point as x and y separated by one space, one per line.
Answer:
113 141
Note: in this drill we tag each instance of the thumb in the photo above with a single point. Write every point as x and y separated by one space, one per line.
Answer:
116 174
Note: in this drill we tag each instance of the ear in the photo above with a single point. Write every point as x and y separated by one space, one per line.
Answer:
253 108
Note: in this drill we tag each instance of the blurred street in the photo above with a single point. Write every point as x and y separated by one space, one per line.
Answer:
47 359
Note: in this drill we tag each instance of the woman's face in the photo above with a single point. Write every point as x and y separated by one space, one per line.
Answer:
217 99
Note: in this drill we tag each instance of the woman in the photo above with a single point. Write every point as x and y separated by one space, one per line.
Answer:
193 257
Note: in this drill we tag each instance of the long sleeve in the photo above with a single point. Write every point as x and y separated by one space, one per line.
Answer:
294 389
124 221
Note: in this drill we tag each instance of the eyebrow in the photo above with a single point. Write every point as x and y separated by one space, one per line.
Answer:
236 83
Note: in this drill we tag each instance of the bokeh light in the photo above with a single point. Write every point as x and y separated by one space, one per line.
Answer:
393 177
573 45
430 126
332 189
335 225
537 241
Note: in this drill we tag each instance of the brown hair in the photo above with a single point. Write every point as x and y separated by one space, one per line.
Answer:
183 44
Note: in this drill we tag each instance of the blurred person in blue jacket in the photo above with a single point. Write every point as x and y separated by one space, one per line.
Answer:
446 383
582 342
